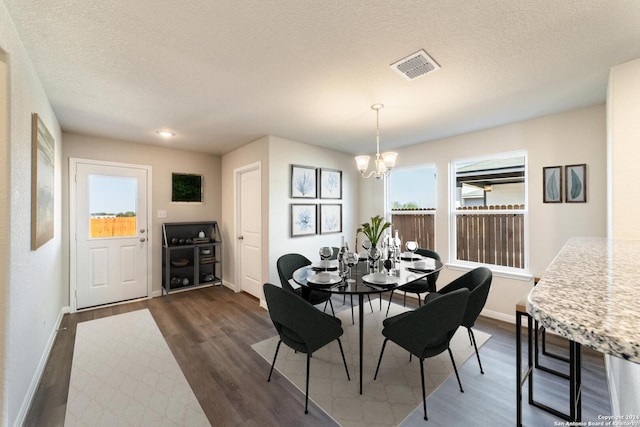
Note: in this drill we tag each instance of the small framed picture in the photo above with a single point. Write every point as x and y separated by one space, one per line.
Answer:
330 184
552 184
303 219
303 182
330 218
576 183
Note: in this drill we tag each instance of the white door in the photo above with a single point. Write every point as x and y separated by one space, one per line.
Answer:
111 238
250 229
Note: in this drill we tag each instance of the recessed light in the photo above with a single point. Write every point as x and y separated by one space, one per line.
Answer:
165 133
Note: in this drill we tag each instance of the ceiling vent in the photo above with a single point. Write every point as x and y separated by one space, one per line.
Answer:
415 65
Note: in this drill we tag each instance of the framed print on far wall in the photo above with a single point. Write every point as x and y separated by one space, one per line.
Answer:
552 184
42 183
576 183
330 218
330 184
303 219
303 182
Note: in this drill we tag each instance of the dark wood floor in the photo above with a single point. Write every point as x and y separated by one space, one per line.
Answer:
210 332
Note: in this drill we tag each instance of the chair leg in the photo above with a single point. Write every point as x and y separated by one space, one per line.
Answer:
453 362
274 360
353 319
419 300
404 300
324 310
390 297
331 305
344 360
370 305
476 347
424 395
380 359
344 298
469 333
306 393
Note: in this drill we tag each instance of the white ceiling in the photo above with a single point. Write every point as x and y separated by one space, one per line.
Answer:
222 73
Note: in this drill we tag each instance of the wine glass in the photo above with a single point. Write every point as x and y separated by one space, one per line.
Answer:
411 246
351 259
325 254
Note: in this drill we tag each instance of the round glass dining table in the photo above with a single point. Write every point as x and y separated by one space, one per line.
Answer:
362 283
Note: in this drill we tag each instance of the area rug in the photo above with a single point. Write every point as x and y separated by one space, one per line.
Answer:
394 395
124 374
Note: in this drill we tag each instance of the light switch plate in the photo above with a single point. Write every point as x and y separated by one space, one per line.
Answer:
162 213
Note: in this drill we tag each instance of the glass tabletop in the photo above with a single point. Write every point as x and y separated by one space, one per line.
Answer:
362 282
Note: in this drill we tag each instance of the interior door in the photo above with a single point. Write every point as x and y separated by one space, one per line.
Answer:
250 230
111 236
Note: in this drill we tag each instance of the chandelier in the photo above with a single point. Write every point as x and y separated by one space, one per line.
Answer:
384 162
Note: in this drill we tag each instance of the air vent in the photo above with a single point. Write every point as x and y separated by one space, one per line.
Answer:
415 65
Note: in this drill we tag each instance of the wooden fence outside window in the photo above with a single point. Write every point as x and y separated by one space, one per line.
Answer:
415 225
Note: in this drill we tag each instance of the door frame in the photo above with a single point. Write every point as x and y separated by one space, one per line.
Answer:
73 245
236 195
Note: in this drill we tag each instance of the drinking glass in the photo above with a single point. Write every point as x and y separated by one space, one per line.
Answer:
325 254
351 259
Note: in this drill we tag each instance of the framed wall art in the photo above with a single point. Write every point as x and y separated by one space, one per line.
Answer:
330 184
552 184
42 182
186 188
576 183
303 219
330 218
303 182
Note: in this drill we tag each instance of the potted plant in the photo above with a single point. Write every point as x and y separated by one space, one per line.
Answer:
373 230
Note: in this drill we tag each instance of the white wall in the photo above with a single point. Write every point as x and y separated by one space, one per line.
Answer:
572 137
282 154
35 291
5 214
623 110
163 161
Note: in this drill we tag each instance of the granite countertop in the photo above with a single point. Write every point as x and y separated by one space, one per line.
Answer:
591 294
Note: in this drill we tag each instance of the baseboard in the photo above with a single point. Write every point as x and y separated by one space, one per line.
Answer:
499 316
37 377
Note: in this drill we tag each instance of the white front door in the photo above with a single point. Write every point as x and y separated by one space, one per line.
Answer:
250 229
109 234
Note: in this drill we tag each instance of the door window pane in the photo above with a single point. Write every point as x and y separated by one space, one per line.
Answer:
112 206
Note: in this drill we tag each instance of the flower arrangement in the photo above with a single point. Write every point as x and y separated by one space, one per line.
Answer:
373 230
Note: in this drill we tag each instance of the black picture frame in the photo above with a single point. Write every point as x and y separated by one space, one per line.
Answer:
575 183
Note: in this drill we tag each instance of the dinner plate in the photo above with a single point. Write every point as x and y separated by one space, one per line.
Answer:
389 280
314 279
329 265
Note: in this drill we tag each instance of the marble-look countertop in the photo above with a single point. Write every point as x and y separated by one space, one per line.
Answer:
591 294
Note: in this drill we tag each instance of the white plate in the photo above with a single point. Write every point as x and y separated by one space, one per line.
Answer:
314 279
388 280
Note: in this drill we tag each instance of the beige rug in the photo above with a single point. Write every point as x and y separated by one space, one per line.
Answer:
124 374
385 402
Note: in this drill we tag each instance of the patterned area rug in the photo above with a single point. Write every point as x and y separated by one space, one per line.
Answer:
124 374
388 400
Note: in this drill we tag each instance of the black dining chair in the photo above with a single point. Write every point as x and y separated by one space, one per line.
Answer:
419 286
478 282
301 327
289 263
427 331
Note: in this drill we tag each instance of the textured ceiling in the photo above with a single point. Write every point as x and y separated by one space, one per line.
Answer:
223 73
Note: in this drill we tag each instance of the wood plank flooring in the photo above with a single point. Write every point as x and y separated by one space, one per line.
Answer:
210 332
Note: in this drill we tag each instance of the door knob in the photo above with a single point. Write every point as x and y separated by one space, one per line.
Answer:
142 239
240 237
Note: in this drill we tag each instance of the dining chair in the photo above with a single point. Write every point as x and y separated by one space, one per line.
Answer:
427 331
419 286
301 327
289 263
478 282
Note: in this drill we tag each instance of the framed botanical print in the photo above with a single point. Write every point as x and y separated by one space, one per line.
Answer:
330 218
303 182
576 183
330 184
303 219
552 184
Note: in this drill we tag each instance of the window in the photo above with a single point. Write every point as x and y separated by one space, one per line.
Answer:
489 210
411 202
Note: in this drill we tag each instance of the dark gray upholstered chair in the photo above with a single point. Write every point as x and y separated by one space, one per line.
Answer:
478 282
301 327
289 263
419 286
427 331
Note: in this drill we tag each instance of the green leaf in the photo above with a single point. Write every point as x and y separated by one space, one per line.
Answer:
552 187
576 185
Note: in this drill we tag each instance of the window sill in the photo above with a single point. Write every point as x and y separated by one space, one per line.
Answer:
496 270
